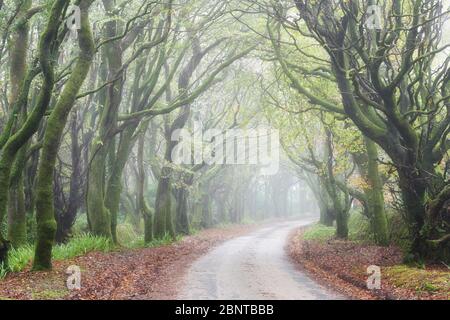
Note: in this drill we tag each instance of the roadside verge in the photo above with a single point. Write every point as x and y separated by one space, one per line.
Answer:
342 266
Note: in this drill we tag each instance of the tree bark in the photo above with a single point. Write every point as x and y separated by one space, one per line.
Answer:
31 124
46 224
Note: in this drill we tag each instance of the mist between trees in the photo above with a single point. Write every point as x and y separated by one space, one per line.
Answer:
92 94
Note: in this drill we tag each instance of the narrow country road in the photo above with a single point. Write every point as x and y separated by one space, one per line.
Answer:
254 266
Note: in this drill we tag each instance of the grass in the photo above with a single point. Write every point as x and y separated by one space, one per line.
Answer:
3 272
82 244
359 230
49 294
79 245
419 279
319 232
139 242
127 234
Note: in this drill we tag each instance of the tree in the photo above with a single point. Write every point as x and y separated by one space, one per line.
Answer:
46 224
12 142
400 104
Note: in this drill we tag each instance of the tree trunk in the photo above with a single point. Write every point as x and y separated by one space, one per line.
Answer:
142 206
327 215
206 221
31 124
163 206
17 229
17 216
67 217
46 224
182 218
98 215
374 195
101 220
338 200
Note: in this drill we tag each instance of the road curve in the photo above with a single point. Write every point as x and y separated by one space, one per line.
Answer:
252 267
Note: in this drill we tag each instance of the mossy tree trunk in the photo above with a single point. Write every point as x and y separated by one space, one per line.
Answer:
326 213
374 195
130 134
322 198
103 205
102 147
142 207
182 218
66 218
163 204
114 183
17 229
98 215
341 203
46 224
17 216
416 142
163 220
12 144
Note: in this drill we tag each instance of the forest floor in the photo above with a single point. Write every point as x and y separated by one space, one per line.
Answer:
150 273
342 266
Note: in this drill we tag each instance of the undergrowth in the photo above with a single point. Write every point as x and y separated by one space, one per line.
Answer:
360 231
79 245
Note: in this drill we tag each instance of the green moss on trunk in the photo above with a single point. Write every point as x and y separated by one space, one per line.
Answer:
148 224
98 215
182 219
162 206
31 124
375 196
46 224
114 186
17 220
